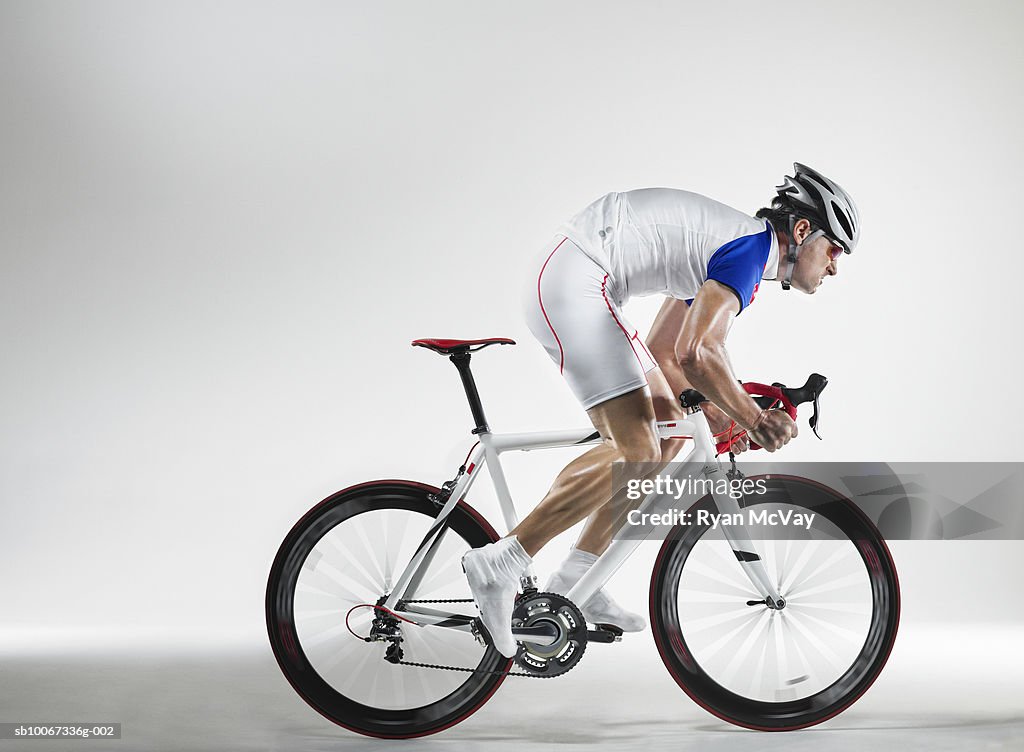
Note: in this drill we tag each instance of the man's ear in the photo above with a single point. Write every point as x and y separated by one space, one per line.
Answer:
801 230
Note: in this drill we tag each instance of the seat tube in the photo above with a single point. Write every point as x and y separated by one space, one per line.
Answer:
493 462
508 510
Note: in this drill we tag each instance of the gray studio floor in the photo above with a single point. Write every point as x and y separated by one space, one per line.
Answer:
949 688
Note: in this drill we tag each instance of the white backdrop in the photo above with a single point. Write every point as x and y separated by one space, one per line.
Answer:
221 225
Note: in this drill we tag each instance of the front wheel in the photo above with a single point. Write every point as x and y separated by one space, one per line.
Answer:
348 551
777 669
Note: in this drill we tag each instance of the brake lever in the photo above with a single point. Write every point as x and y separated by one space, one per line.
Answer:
814 420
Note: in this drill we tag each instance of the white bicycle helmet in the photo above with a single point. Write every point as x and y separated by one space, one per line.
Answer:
824 199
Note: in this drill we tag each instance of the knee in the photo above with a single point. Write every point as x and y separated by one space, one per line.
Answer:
647 452
667 408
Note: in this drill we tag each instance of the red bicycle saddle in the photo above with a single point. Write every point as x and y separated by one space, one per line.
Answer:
449 346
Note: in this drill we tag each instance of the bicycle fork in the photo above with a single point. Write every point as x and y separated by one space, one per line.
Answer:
739 538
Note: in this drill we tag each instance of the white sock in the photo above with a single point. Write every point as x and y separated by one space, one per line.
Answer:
513 560
601 608
571 571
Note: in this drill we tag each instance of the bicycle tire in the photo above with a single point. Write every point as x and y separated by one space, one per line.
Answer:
344 709
789 714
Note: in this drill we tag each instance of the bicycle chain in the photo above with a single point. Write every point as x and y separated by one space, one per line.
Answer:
459 668
472 670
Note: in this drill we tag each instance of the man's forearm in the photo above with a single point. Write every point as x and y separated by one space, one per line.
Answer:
673 372
710 373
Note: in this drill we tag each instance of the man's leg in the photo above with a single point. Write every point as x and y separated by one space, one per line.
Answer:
606 520
627 425
602 524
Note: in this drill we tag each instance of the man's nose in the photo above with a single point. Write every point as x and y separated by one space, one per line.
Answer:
833 268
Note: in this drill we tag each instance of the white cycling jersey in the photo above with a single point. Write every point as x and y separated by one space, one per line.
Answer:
644 242
667 241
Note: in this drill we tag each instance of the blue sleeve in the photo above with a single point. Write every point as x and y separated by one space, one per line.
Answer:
739 265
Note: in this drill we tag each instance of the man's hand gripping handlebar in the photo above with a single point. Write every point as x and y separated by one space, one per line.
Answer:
776 424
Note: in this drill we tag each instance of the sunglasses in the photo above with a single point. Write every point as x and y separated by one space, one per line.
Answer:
836 250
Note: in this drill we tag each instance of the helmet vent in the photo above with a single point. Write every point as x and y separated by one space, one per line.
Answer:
843 220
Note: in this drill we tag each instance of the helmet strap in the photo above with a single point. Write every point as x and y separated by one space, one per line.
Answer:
793 250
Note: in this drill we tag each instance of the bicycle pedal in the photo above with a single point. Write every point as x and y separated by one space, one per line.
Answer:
606 633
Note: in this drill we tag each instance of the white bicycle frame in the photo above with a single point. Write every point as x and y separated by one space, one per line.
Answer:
488 454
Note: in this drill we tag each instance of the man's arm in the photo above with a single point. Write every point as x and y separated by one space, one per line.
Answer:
704 363
662 342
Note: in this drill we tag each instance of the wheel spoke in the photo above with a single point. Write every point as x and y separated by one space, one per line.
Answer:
846 582
722 570
781 561
395 527
814 641
337 654
368 591
841 555
754 634
329 595
699 582
807 552
709 651
349 568
839 631
368 553
716 621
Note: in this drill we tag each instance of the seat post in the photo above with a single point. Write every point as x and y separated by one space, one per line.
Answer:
461 361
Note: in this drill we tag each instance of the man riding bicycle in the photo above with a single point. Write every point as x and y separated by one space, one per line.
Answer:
708 259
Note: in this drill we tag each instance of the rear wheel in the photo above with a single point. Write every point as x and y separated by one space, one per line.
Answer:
778 669
350 550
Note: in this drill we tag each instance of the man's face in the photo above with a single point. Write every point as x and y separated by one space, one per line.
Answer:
818 259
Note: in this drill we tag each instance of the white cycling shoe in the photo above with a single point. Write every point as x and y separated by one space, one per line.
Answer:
493 573
601 608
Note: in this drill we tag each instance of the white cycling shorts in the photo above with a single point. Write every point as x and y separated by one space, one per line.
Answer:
570 306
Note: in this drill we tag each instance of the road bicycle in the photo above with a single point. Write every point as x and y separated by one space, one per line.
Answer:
372 622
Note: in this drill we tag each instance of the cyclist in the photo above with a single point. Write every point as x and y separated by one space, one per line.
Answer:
708 259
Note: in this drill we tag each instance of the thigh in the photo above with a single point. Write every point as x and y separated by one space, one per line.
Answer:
626 420
572 312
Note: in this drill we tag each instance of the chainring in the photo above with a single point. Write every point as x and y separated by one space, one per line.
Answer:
536 609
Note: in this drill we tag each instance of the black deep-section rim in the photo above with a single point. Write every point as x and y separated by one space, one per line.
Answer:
355 716
819 707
